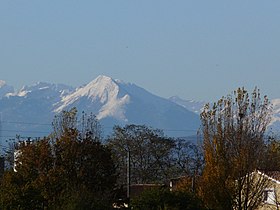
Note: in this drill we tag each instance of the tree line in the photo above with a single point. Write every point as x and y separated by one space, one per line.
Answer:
75 168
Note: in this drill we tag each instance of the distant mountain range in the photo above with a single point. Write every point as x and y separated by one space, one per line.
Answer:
29 111
191 105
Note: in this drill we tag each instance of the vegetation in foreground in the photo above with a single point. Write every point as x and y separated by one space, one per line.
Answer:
74 168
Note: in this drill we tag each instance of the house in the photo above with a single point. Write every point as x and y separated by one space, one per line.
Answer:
176 183
17 151
188 183
271 192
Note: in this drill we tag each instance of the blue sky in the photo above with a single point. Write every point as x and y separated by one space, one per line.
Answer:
195 49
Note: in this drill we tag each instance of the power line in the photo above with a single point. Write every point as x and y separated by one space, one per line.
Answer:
14 137
110 127
1 138
50 124
179 130
163 129
24 131
26 123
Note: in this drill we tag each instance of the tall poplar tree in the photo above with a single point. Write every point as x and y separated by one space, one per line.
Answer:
233 132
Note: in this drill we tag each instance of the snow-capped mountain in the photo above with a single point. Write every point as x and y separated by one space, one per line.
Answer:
191 105
43 89
5 89
197 107
30 110
102 96
117 102
275 121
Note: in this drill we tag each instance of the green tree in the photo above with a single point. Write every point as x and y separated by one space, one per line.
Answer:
27 188
234 146
69 170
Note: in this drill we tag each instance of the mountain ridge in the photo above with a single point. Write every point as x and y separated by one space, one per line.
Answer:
112 101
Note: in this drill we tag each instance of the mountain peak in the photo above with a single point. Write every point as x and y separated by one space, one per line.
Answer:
114 102
104 93
191 105
2 83
102 87
103 78
5 89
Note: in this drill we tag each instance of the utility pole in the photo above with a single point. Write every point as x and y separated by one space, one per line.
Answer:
2 159
1 138
128 178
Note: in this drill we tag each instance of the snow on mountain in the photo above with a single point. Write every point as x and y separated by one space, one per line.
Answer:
196 107
43 89
2 83
118 102
5 89
274 125
276 105
37 100
102 96
30 109
114 102
275 121
191 105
